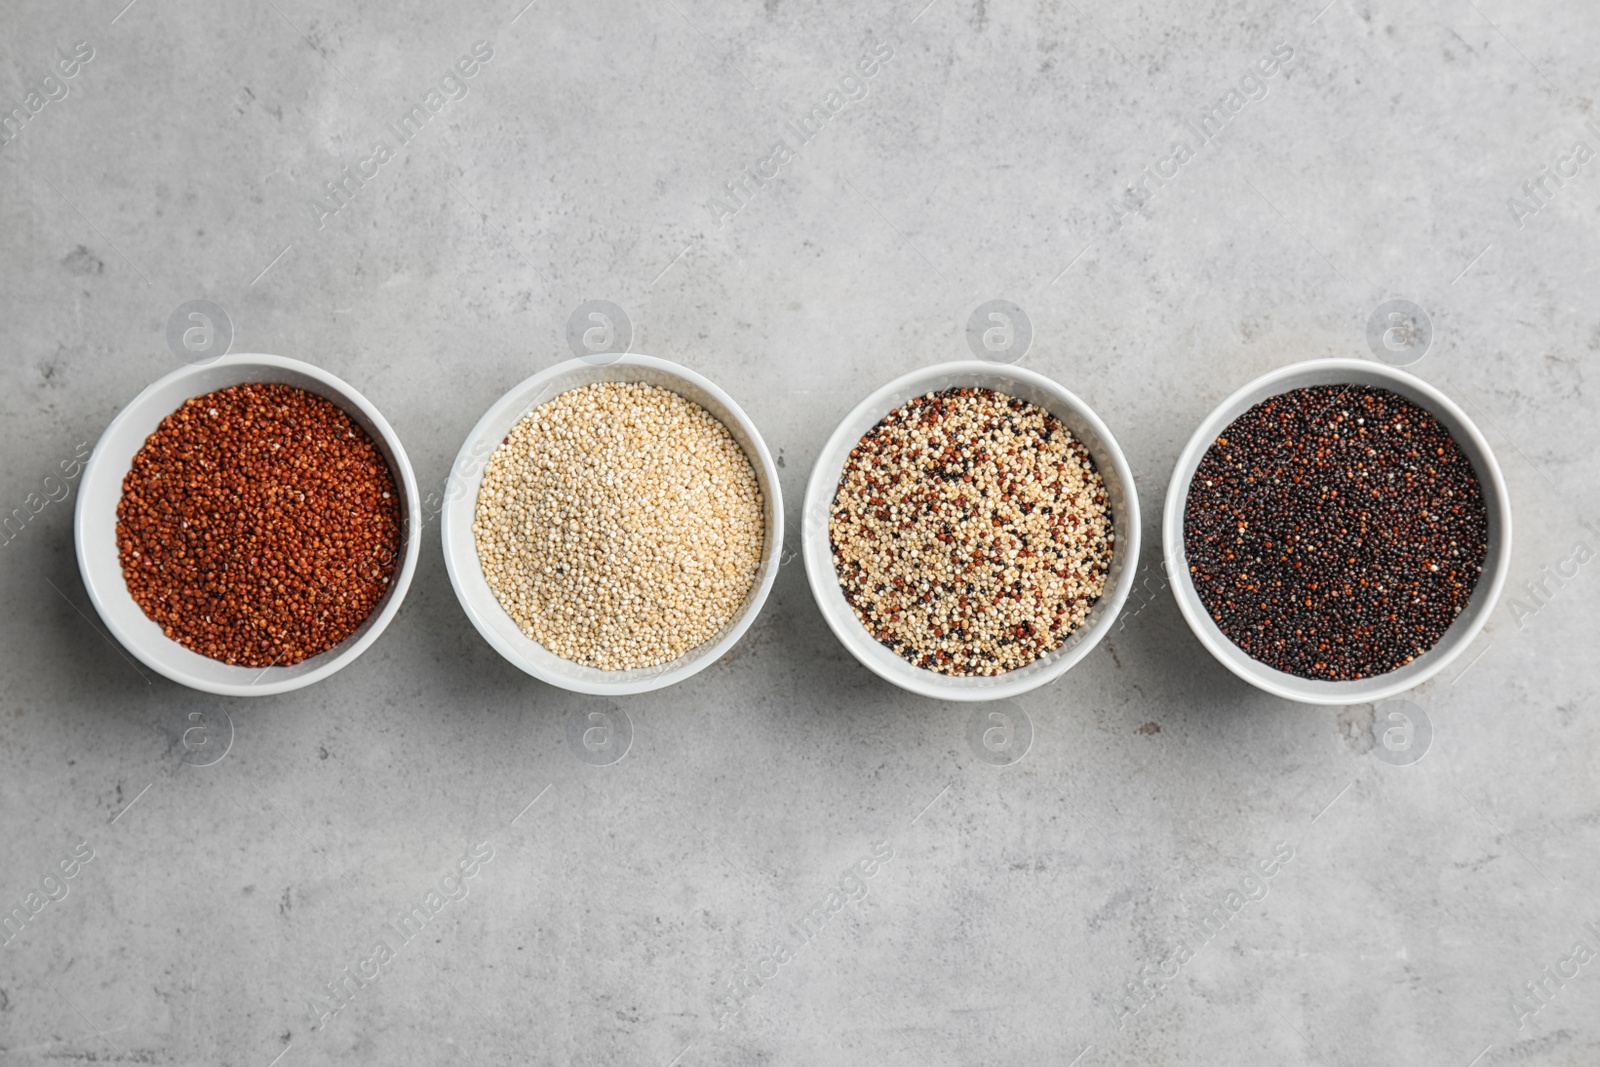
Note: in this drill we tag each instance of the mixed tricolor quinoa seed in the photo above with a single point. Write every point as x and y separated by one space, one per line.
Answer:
971 532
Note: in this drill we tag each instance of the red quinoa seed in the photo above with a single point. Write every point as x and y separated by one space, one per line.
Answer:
258 525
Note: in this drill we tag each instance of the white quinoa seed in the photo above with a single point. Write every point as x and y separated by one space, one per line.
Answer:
971 532
620 525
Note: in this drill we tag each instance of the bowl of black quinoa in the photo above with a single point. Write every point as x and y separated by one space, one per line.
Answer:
1336 532
970 531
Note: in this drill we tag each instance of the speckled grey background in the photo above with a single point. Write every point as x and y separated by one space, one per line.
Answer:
985 159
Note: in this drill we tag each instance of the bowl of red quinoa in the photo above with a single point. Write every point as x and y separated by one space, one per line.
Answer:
971 531
1336 532
233 528
613 524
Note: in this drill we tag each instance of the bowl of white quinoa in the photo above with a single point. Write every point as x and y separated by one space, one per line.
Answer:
613 525
971 531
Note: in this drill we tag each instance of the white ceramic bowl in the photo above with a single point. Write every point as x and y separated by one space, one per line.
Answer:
1012 381
95 525
461 503
1496 562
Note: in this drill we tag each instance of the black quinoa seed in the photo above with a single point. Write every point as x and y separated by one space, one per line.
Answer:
1335 532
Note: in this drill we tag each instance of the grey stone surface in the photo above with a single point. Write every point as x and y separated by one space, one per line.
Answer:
985 161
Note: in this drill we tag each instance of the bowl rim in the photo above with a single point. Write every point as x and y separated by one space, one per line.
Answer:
1497 502
817 548
465 466
95 471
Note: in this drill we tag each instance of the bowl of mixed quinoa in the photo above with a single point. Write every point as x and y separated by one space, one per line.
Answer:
971 530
